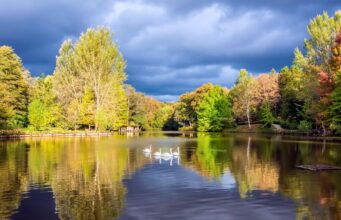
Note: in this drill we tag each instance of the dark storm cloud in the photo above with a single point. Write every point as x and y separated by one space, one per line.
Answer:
36 28
171 47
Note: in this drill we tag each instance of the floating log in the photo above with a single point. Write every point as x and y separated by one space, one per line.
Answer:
318 167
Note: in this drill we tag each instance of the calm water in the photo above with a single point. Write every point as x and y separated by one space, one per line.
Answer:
216 177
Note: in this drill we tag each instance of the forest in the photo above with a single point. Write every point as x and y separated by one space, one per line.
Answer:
88 91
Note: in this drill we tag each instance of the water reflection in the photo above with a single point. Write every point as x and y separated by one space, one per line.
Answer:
14 178
105 178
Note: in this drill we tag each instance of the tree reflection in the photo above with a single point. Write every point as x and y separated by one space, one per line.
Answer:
85 176
211 157
268 164
13 176
318 195
252 171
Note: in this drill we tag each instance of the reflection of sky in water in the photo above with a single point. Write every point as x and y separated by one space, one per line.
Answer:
212 180
175 192
227 181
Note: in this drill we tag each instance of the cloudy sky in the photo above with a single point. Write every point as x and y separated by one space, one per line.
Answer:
171 46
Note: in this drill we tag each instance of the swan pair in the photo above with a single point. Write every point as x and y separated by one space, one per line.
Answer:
170 154
160 154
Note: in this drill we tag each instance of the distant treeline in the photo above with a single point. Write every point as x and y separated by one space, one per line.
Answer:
87 90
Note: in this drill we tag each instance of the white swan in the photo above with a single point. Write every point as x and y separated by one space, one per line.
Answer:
176 153
168 154
148 150
158 153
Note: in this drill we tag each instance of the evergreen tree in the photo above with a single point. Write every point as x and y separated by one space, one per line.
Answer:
267 117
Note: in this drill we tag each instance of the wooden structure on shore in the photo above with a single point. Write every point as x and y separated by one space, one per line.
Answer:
129 129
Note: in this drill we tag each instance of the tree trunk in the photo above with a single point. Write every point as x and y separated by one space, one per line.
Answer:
324 129
248 115
97 100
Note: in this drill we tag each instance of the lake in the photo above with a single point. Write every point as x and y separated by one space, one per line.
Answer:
216 176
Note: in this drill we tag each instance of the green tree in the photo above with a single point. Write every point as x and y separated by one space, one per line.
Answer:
244 96
137 110
44 112
189 104
335 106
13 90
162 115
68 84
267 117
115 108
87 109
322 32
292 82
335 109
315 63
94 62
214 111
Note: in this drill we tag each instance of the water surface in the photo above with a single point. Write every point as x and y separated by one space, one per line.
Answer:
217 176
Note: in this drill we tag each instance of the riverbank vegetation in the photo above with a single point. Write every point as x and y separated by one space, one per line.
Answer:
88 90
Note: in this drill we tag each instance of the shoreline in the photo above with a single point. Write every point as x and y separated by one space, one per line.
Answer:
295 135
68 134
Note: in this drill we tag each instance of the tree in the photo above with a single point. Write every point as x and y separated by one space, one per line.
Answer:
93 62
291 87
322 31
189 103
162 115
151 106
267 117
335 102
244 96
267 84
115 108
335 109
13 90
68 84
136 110
87 109
335 60
317 67
214 111
324 90
43 111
